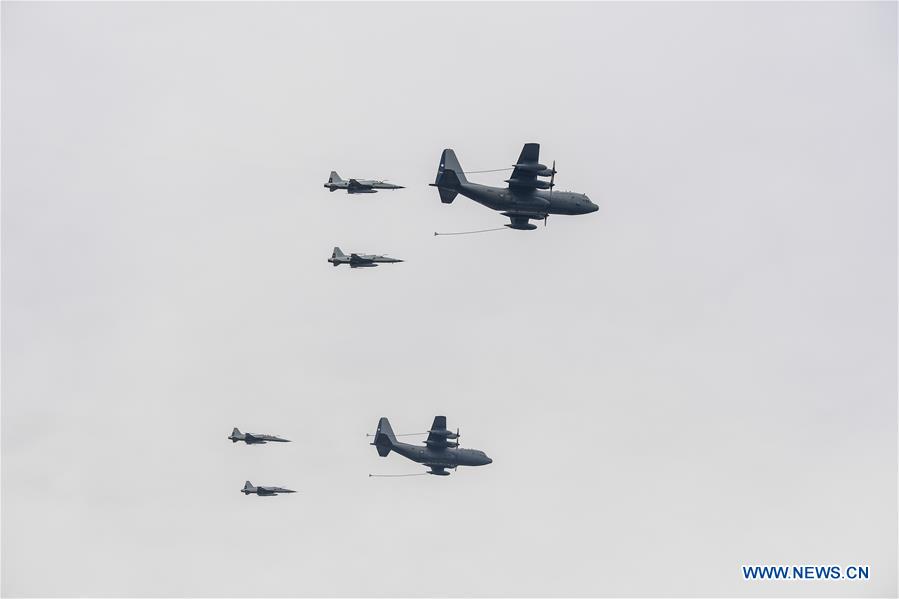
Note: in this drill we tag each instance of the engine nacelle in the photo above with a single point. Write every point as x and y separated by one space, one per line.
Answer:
530 183
530 167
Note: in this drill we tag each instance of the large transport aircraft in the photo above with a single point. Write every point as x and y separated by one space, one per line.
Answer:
526 198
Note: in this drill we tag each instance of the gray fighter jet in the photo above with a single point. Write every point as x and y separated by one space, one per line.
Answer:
263 491
526 198
253 438
358 260
357 185
439 452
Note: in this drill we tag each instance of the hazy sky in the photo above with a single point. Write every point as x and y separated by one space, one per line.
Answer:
700 375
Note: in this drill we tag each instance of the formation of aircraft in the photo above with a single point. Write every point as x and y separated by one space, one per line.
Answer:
249 488
358 185
253 438
258 439
440 451
526 198
359 260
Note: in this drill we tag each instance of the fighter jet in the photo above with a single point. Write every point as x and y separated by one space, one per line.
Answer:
358 260
357 185
526 198
439 452
263 491
253 438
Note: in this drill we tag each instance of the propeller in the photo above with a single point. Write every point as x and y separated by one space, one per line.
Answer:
552 183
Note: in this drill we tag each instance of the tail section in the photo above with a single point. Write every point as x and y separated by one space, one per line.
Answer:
336 257
248 488
449 162
450 176
384 437
235 435
334 178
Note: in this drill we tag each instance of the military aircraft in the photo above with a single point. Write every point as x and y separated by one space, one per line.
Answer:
439 452
358 260
253 438
526 198
357 185
263 491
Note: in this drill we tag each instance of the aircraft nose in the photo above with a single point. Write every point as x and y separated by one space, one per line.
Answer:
487 460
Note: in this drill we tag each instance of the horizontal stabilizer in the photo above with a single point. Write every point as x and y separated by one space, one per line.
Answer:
447 195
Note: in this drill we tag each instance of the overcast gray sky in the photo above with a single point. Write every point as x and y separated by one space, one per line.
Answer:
700 375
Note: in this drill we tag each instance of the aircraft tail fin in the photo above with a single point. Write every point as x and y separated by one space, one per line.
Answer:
337 253
334 178
248 487
449 162
450 176
235 434
384 437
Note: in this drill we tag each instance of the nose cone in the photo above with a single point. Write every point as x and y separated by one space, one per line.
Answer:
487 460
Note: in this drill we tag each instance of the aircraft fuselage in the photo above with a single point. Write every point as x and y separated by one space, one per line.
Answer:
527 200
448 457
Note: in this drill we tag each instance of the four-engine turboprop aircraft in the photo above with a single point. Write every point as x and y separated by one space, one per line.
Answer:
253 438
357 185
358 260
439 452
526 198
263 491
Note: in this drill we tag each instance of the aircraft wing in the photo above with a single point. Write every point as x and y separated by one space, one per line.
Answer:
520 219
438 436
437 433
524 175
357 259
354 184
534 214
251 438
